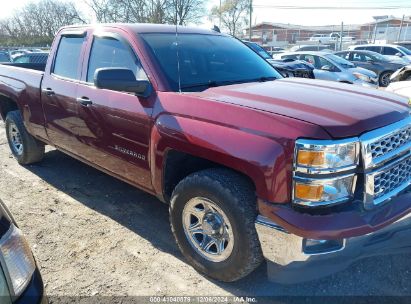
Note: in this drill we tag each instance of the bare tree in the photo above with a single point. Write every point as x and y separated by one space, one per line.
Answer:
233 15
37 22
186 11
108 11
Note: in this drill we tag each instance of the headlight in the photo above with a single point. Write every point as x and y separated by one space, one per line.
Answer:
320 192
17 260
362 77
319 156
316 165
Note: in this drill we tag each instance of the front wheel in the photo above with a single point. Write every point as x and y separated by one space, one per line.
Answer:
25 148
212 215
385 79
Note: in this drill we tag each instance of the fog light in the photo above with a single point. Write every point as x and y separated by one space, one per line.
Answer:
313 247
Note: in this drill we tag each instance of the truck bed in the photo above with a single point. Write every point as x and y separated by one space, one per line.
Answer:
23 85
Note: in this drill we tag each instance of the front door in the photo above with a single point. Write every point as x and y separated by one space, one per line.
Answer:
116 126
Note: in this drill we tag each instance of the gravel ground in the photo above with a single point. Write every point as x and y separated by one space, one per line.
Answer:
95 235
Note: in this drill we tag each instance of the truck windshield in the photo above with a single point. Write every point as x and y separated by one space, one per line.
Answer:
206 60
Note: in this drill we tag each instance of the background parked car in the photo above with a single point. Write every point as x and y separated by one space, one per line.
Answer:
36 61
20 279
4 57
406 44
390 50
15 53
403 74
330 38
38 57
293 68
316 47
334 68
276 50
381 65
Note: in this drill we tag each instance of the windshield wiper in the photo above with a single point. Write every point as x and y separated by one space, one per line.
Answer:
259 79
211 84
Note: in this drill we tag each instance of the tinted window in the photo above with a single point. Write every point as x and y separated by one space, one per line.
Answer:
357 56
199 61
68 56
373 48
22 59
112 53
344 55
322 62
389 51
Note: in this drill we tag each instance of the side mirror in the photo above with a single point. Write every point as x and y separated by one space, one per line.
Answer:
399 54
123 80
326 68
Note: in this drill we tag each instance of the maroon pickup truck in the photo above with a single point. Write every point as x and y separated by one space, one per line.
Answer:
298 171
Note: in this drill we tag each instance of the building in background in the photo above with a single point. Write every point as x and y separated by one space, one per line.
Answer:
384 29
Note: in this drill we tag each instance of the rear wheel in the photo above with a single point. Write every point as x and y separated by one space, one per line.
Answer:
212 215
25 148
384 80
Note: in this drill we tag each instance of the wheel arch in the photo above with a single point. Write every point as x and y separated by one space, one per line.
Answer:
7 104
178 141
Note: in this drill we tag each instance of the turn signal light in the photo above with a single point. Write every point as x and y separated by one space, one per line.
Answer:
308 192
311 158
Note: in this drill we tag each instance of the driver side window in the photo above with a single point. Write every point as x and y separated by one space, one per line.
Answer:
358 57
107 52
322 62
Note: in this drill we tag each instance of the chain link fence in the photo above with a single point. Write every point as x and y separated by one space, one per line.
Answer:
334 37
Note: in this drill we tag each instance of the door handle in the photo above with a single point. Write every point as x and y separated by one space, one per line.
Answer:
48 92
84 101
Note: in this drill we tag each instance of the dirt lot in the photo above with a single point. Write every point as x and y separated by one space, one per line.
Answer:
95 235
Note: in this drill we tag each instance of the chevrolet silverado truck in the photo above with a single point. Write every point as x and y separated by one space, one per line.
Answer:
253 165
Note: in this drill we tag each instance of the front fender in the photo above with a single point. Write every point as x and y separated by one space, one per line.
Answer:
267 162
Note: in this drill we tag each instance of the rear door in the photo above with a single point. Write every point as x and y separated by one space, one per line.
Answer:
115 126
59 91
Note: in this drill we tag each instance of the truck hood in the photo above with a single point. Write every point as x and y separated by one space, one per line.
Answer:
343 110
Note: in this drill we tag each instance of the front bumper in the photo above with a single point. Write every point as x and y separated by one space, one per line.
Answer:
293 258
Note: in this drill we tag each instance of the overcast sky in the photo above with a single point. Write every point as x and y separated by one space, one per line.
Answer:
268 10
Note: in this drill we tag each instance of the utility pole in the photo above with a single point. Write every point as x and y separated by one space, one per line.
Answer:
219 21
251 18
341 36
399 32
375 32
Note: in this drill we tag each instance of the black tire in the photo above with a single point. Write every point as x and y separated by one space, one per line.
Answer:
236 198
382 81
32 149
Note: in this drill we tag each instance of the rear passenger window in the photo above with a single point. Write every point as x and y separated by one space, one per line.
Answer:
68 57
108 52
390 51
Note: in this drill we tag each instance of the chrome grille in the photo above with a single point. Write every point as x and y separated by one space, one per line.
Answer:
386 154
391 142
392 178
